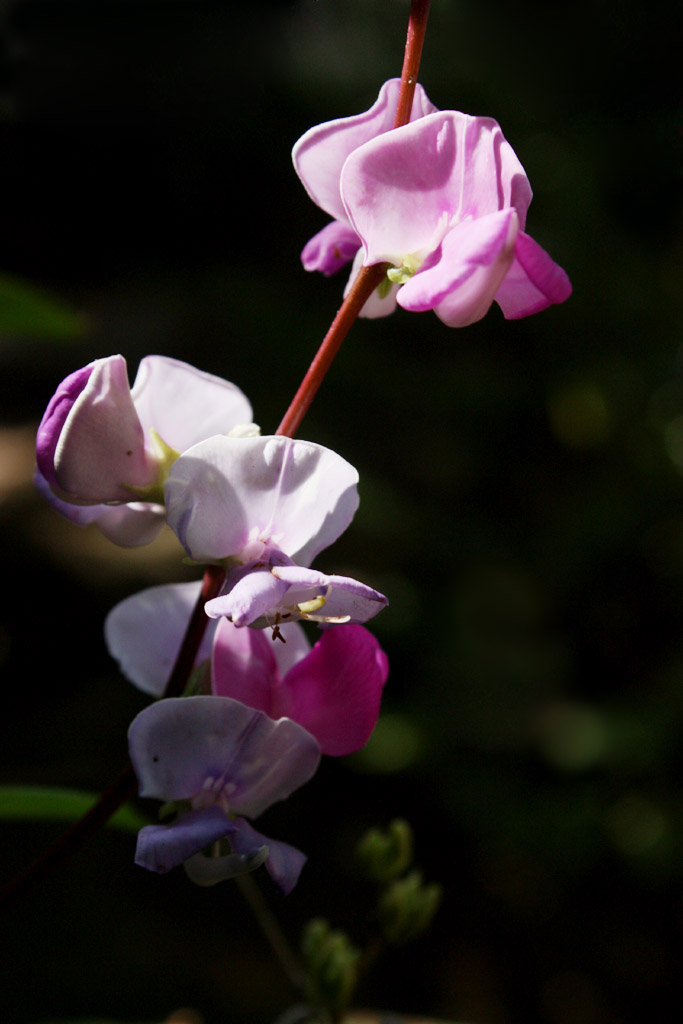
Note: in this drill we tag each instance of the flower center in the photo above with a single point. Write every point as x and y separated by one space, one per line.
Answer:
213 791
410 265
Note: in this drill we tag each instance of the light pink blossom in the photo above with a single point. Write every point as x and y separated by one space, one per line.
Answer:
264 507
103 449
443 200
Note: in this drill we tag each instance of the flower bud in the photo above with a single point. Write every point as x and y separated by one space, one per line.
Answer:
386 854
407 908
331 963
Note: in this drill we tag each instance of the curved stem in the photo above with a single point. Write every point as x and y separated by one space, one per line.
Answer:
272 931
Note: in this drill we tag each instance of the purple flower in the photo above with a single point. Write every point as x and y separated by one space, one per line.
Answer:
333 690
103 450
222 761
264 507
444 200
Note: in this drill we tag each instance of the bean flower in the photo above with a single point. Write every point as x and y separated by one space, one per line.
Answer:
443 200
103 449
221 763
264 507
319 156
333 689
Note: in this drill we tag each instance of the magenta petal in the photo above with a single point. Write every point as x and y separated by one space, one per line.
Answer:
162 847
335 691
54 418
243 666
331 249
182 745
184 405
320 153
533 282
144 633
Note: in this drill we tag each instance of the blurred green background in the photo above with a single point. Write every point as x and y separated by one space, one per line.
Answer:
521 497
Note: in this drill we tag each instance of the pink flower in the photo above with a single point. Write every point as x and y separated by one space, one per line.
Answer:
444 201
103 450
264 507
319 156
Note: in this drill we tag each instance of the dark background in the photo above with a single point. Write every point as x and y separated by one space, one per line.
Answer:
521 498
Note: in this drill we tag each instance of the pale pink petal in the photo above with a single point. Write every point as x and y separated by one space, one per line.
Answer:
335 691
185 405
100 454
131 525
533 282
492 176
225 492
320 153
345 598
397 188
252 597
144 633
184 746
461 284
331 249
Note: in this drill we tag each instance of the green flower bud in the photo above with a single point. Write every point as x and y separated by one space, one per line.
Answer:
407 908
332 965
386 854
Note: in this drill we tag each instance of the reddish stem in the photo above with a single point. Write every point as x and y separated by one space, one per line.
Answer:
360 291
369 277
417 26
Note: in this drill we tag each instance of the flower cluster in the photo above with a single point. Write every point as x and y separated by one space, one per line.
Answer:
255 734
253 729
442 199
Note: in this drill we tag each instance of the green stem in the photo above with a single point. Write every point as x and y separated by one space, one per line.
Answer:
272 931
